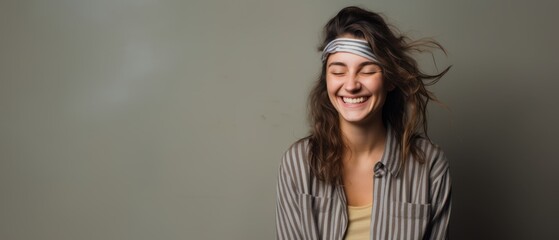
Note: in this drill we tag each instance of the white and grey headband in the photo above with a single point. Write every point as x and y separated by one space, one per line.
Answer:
355 46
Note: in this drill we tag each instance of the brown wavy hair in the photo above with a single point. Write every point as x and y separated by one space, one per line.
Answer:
404 108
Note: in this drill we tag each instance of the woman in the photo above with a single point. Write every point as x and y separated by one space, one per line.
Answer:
367 170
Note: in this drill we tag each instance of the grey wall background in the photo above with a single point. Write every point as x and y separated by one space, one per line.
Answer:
167 119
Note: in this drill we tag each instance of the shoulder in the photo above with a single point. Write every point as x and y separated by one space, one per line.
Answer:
295 157
294 164
435 158
298 149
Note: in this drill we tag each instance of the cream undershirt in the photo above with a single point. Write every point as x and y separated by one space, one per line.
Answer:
359 226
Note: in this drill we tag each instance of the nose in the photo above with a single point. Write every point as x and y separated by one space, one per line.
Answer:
352 84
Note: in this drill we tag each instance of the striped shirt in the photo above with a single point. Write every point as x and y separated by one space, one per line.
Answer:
411 202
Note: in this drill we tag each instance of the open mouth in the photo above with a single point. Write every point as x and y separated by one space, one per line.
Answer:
354 100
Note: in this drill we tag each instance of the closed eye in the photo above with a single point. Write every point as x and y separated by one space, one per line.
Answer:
368 73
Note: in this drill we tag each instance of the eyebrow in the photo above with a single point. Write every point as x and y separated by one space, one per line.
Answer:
344 65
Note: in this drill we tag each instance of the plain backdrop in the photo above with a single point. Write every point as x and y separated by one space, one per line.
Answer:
153 119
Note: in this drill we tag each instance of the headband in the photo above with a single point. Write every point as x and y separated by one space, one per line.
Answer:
350 45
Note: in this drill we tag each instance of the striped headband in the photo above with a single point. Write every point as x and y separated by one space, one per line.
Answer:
350 45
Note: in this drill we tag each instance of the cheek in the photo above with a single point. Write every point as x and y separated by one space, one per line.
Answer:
332 91
331 88
377 84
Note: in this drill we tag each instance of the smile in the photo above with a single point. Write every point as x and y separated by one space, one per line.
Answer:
354 100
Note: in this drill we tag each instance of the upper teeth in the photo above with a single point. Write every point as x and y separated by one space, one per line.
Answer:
354 100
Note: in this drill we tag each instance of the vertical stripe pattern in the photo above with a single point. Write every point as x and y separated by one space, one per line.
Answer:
411 202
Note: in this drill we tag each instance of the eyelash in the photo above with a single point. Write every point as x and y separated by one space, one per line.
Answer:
366 73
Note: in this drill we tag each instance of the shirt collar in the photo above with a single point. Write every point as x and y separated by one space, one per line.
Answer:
391 156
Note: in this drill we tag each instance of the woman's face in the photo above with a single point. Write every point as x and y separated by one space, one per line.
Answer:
355 87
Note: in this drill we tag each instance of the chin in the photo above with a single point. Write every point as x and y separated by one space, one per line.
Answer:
358 119
354 119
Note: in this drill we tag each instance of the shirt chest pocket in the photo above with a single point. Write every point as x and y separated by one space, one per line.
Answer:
409 220
411 210
315 212
314 203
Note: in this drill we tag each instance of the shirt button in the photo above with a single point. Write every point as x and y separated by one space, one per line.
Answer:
379 170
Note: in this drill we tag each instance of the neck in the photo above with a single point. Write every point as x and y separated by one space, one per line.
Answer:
364 140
